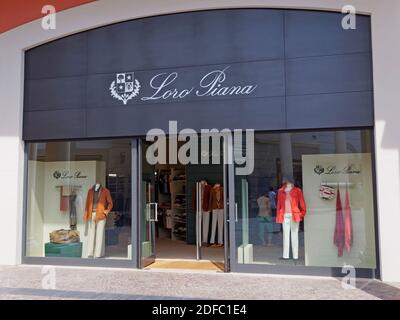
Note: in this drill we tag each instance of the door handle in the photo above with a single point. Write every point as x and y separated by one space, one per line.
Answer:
155 204
148 211
236 213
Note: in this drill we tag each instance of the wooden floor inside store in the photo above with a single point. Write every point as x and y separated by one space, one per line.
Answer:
187 264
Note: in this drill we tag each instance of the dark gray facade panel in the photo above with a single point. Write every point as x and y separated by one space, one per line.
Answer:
65 57
310 33
60 124
195 38
71 77
330 110
235 114
329 74
55 93
267 76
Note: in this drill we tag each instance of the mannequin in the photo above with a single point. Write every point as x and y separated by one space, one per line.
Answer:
265 219
98 206
217 208
205 213
291 209
205 208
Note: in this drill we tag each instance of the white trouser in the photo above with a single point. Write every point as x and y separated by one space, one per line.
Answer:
217 217
96 237
290 230
205 217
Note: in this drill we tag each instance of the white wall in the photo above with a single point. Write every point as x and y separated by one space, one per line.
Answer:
386 59
35 209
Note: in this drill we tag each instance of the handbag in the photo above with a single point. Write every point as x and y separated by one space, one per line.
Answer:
64 236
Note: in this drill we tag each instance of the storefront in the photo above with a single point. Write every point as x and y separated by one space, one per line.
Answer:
295 77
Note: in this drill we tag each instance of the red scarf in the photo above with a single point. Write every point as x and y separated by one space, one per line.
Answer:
348 224
338 237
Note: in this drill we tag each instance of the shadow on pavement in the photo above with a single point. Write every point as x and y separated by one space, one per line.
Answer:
379 289
81 295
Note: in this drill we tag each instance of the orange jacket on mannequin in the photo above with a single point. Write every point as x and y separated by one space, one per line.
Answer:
297 203
104 204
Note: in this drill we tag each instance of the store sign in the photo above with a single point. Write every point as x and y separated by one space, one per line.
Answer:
66 174
335 170
164 86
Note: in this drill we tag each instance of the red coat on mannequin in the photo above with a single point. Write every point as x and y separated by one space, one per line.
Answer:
297 203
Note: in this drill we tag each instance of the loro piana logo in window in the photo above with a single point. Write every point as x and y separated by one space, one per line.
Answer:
352 169
66 174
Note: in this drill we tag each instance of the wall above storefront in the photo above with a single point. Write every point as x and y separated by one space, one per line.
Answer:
11 15
260 69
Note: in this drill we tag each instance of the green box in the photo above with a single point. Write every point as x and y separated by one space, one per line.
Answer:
65 250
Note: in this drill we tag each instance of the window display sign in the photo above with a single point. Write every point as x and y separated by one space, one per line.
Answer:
339 226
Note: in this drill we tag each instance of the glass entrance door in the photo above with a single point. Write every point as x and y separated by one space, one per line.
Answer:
183 208
148 214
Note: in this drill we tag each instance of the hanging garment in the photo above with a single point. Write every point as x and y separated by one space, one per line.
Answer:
217 197
64 201
338 237
206 191
205 225
217 221
348 224
73 219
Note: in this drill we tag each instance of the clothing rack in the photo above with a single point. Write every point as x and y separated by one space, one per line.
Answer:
341 184
69 186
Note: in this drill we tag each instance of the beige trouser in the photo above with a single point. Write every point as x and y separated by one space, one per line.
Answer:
96 237
217 219
205 217
290 232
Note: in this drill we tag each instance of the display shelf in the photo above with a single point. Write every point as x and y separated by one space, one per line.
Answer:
178 194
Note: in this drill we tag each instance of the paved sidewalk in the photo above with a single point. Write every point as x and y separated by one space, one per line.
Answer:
28 282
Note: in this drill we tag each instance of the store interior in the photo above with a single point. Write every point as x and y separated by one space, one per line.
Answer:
173 188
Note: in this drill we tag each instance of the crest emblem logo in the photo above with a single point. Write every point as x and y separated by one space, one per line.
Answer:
319 169
125 87
57 174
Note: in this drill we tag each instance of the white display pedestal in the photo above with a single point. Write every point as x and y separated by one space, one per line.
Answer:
146 249
129 252
245 254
